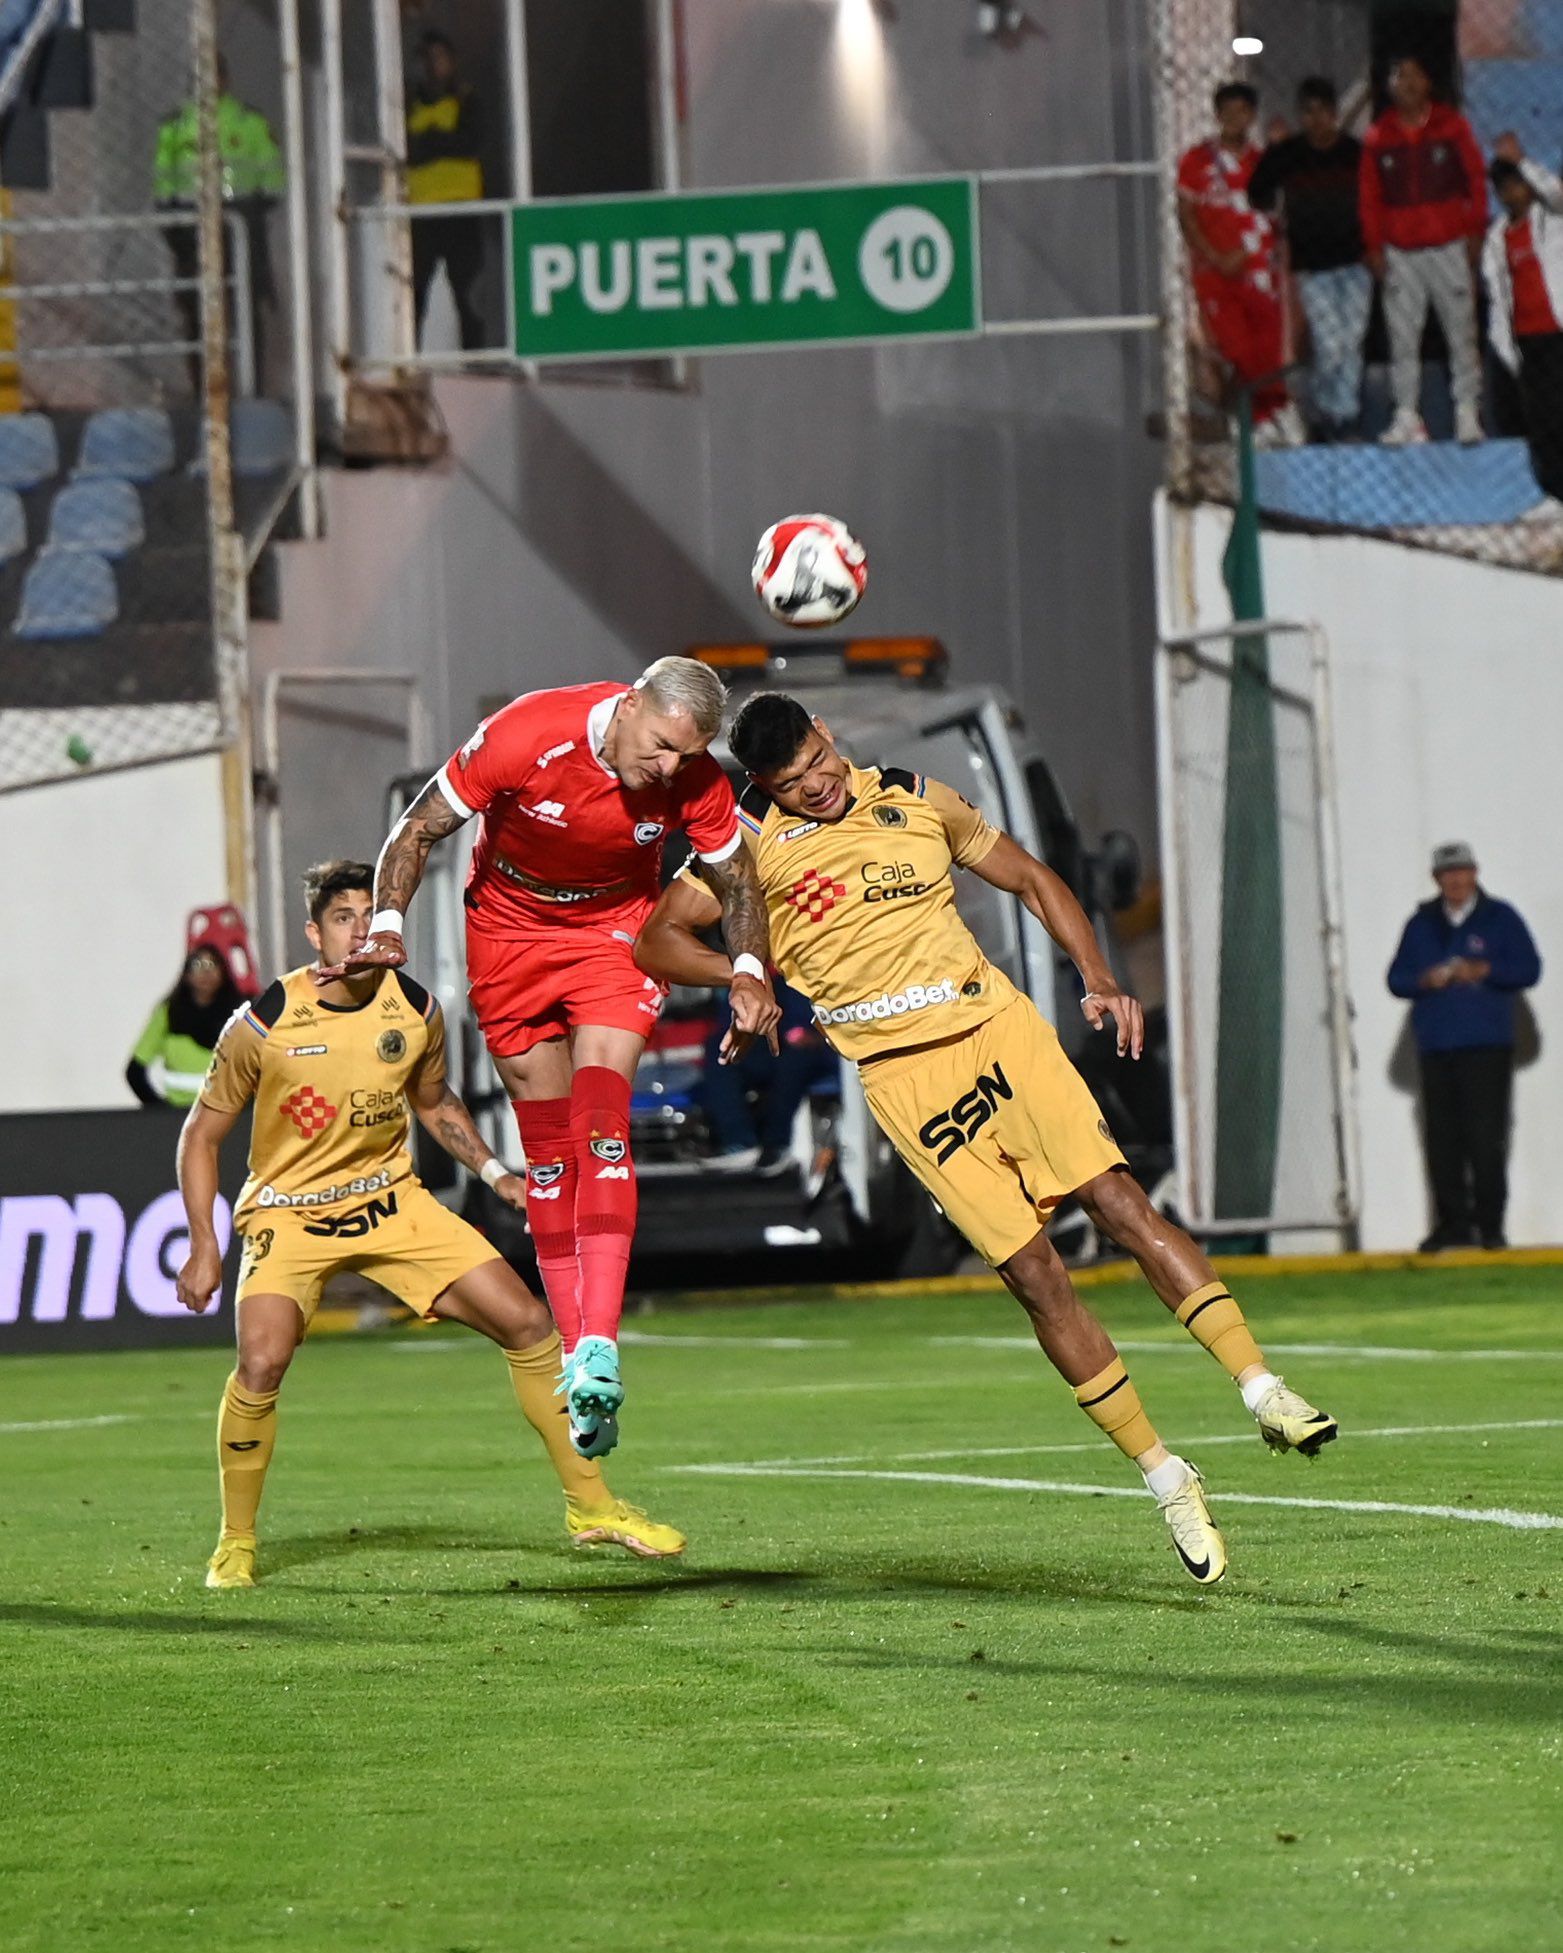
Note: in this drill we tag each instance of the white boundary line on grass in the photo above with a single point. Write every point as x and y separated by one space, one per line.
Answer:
1389 1351
1475 1515
1193 1444
70 1423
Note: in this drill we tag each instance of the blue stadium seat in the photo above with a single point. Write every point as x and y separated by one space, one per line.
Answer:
68 593
13 525
101 515
29 450
134 443
262 437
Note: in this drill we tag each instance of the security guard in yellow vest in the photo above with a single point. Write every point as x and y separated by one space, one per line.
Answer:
444 132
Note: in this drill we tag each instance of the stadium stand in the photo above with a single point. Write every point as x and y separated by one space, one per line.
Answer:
102 515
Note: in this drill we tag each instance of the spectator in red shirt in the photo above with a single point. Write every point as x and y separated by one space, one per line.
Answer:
1232 256
1522 263
1424 214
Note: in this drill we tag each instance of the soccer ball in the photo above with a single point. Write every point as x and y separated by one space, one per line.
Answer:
810 570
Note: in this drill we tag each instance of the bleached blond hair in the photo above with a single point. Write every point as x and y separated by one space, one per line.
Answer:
685 685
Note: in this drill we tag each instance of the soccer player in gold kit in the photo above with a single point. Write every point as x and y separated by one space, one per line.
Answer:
963 1073
332 1070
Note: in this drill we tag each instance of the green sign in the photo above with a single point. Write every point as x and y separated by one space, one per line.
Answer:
729 270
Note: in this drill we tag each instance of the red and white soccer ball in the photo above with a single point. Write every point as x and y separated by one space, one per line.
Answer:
810 570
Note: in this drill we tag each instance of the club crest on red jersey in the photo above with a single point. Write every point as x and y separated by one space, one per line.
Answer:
648 831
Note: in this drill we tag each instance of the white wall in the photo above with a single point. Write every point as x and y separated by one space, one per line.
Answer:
1448 686
100 874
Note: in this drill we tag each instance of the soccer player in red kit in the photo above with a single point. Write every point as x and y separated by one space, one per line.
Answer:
577 790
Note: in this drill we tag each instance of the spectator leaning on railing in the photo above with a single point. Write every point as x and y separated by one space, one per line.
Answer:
1312 178
1522 263
1232 254
1424 215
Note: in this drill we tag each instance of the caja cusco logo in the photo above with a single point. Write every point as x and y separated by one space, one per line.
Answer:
947 1132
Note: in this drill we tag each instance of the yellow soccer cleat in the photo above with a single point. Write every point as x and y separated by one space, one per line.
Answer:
233 1564
1288 1422
622 1524
1196 1538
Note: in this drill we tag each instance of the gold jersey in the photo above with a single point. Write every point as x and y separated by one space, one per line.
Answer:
329 1083
863 916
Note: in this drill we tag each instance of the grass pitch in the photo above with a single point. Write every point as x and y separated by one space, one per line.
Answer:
927 1696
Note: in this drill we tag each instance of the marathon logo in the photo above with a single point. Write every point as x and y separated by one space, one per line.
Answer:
920 996
269 1196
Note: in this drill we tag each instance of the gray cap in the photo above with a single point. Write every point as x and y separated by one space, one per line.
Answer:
1453 854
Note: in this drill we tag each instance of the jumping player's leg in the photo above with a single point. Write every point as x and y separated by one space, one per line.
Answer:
270 1330
538 1084
494 1300
1082 1352
1182 1276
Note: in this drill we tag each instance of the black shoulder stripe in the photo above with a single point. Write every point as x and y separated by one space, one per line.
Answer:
414 992
755 801
268 1005
899 776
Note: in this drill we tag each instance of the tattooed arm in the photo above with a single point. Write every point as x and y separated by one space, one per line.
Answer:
445 1118
396 877
736 886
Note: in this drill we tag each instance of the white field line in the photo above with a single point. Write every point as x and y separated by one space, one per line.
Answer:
69 1423
1187 1346
1475 1515
1193 1444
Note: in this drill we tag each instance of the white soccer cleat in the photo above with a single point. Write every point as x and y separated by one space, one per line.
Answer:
1288 1422
1196 1538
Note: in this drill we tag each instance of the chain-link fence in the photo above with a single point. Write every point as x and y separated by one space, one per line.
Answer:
1365 234
143 429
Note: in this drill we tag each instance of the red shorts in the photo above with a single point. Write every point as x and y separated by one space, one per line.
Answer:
533 984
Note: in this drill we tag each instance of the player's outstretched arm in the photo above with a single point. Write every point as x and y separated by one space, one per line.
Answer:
1007 865
445 1118
396 877
670 950
736 886
200 1142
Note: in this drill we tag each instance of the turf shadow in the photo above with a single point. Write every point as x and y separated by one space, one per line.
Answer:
42 1614
1523 1699
309 1549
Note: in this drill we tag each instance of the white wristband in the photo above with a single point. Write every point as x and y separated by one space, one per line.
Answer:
386 922
749 966
492 1170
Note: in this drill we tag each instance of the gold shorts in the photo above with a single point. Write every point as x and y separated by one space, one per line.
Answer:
996 1123
403 1239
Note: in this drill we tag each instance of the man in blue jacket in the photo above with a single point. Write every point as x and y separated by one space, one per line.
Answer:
1462 960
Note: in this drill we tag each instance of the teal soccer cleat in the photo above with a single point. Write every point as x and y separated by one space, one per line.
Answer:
593 1394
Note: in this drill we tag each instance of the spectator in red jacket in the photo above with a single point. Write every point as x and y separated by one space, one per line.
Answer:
1424 216
1232 254
1523 267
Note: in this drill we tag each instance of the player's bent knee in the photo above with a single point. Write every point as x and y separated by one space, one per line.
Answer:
1115 1202
1036 1278
263 1369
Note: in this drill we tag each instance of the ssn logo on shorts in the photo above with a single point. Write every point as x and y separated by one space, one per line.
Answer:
947 1132
611 1150
356 1221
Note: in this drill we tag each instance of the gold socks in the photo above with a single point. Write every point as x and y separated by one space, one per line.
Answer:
1216 1323
534 1373
246 1435
1113 1405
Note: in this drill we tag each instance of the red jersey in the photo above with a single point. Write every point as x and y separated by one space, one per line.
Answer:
561 839
1532 304
1213 182
1422 185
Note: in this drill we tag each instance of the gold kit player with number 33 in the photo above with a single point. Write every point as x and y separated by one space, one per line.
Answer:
963 1073
332 1071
